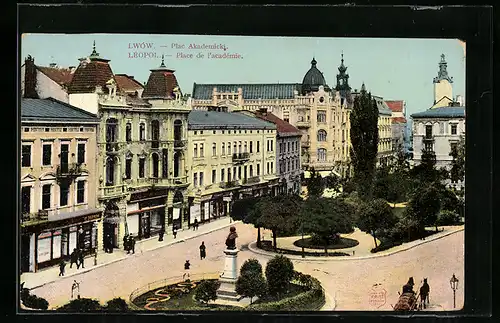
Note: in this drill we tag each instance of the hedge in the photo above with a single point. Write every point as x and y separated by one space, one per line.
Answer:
33 301
311 300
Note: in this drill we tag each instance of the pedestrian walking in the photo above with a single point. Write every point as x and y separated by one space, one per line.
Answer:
81 258
187 265
174 232
126 243
132 243
195 225
62 265
203 249
74 259
160 236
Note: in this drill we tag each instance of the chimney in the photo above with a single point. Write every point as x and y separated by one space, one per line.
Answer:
53 65
30 78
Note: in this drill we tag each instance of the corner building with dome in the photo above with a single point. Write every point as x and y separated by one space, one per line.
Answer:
319 111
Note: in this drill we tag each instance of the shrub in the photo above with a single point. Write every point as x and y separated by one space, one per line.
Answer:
117 304
251 265
279 273
447 218
81 305
311 300
251 284
206 291
33 301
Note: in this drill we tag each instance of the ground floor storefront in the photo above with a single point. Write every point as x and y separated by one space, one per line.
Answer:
46 244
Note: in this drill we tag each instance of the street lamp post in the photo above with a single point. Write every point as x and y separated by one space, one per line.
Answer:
454 287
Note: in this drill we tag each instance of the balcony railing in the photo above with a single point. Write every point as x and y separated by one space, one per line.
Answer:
241 157
303 124
41 215
112 147
180 143
69 170
113 191
251 180
428 139
229 184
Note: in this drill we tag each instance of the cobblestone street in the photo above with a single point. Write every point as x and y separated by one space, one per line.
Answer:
347 282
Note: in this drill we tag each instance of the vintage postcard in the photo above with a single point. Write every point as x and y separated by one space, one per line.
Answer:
201 173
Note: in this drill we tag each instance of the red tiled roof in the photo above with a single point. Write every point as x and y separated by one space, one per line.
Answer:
127 83
160 85
88 76
399 120
395 106
281 125
61 76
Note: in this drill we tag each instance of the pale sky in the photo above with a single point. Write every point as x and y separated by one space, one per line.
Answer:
394 68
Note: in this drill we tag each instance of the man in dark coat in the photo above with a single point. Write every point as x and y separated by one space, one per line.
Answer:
195 225
81 258
408 288
62 265
131 240
203 248
187 265
74 259
424 293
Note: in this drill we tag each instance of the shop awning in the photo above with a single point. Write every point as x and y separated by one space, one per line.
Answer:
75 214
146 209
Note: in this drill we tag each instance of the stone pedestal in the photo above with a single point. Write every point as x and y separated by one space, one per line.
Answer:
227 289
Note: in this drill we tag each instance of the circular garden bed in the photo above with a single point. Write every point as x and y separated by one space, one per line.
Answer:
310 243
267 246
176 297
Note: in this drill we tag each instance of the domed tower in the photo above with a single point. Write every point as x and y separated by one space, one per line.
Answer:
313 80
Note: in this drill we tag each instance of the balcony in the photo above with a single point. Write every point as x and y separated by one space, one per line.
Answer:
428 139
112 191
251 180
179 181
112 147
241 157
229 184
68 171
30 218
180 144
303 124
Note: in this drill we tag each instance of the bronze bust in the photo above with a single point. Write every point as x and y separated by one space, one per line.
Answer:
231 238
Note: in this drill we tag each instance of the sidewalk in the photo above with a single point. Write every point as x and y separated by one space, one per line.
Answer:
45 276
447 230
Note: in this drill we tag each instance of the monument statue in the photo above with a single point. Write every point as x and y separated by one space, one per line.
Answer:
231 238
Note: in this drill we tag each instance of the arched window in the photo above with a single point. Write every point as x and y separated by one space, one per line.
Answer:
223 149
142 131
112 130
155 133
177 130
177 164
321 117
321 135
128 132
321 155
110 171
155 160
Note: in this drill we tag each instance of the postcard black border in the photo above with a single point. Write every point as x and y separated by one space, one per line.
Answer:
471 24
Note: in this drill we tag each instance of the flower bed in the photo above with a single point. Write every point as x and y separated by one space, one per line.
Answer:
341 244
267 246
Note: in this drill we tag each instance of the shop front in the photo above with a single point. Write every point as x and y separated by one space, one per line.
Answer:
146 216
46 244
214 206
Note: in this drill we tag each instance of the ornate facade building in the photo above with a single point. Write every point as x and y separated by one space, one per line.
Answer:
318 111
439 128
59 210
142 140
230 156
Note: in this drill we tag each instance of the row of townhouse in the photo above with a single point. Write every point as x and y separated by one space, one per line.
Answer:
111 156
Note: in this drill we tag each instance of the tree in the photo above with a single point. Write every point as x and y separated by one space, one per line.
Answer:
251 265
315 184
250 284
426 172
333 182
244 210
457 172
277 213
206 291
376 215
117 304
425 206
327 217
364 140
279 273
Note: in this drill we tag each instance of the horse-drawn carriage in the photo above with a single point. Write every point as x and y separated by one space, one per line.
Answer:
409 300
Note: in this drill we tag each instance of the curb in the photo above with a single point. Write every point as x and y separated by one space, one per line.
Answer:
330 303
252 247
137 254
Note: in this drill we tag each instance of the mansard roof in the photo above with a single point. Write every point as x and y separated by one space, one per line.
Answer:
255 91
161 83
442 112
199 119
53 110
